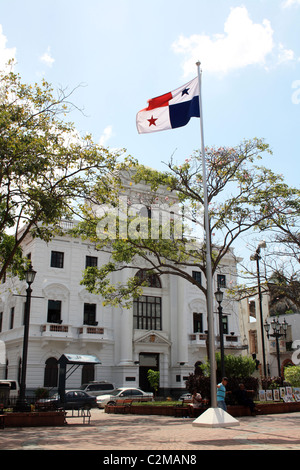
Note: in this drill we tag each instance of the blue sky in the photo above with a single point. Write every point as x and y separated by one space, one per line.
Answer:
124 52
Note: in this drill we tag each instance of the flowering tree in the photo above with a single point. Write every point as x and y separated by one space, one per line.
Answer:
242 197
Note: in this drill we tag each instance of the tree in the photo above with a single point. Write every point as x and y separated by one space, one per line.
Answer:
46 170
153 378
242 197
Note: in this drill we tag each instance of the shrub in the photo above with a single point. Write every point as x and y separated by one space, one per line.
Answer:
153 379
292 375
202 384
236 366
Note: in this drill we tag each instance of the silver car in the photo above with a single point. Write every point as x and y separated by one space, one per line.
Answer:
98 388
134 394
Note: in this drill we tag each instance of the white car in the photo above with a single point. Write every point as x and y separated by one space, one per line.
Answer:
134 394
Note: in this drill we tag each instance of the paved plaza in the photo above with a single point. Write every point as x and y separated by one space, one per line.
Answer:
111 432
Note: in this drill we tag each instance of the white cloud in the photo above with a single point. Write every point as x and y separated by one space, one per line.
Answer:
47 59
5 53
290 3
243 43
285 55
107 134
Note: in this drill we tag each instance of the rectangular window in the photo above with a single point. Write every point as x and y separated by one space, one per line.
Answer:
225 325
147 313
12 317
198 322
91 261
89 314
221 280
54 311
1 320
57 259
197 277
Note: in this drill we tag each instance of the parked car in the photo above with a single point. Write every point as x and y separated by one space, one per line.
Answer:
98 388
14 390
185 396
74 399
134 394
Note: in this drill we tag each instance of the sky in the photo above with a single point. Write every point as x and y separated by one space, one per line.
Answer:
120 53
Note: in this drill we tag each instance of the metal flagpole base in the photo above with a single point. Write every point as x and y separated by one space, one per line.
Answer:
215 418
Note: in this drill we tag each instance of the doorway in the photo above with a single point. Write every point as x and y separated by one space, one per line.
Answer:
147 361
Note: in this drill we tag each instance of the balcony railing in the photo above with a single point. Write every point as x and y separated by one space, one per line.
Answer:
198 337
55 327
90 330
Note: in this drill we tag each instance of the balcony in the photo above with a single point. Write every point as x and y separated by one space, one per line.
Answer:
231 341
198 338
90 333
56 331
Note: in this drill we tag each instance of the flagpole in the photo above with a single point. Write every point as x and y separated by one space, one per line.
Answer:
213 416
209 288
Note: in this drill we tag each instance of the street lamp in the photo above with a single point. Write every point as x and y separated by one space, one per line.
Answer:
219 298
29 277
256 257
279 330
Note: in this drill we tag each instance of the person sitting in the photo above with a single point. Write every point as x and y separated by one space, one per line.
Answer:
196 402
243 399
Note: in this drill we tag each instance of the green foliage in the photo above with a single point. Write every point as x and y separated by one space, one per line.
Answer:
153 378
236 366
46 167
201 383
41 393
242 197
238 369
292 375
271 382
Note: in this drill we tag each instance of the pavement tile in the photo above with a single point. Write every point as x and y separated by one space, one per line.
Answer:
111 432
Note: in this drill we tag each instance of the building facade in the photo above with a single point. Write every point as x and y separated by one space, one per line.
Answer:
164 330
251 332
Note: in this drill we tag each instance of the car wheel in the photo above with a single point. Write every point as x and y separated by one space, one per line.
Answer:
111 403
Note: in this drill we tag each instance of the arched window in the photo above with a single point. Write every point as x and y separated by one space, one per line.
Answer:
51 372
151 280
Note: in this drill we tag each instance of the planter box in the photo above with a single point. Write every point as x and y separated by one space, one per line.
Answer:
141 410
183 411
47 418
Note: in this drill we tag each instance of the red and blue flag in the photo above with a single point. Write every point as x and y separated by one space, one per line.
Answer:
171 110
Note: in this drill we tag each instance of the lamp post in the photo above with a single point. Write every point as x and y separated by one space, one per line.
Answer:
279 330
29 276
256 257
219 299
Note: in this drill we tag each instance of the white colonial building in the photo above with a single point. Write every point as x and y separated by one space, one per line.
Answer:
165 329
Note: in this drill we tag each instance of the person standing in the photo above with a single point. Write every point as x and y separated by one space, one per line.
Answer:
221 394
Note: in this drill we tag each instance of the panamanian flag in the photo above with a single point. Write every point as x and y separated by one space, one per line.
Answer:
171 110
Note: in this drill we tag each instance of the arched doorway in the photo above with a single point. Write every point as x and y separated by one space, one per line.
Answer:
51 372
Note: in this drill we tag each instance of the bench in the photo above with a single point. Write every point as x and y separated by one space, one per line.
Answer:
184 409
85 414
